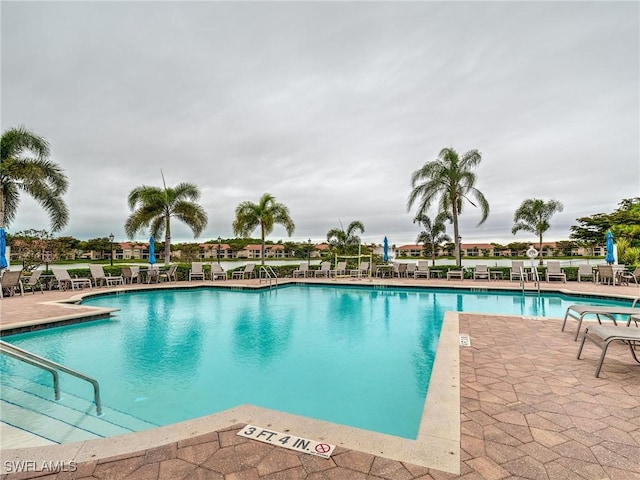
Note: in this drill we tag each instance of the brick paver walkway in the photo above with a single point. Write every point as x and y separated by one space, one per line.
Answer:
529 410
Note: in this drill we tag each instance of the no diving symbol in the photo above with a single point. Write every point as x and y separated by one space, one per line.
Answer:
323 448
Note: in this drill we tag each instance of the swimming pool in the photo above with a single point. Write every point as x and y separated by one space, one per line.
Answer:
355 356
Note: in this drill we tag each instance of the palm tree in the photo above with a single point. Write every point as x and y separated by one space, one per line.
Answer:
25 167
533 215
344 241
434 233
153 208
450 178
265 214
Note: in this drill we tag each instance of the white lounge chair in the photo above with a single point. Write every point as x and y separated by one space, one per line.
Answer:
98 275
170 275
341 269
481 272
586 270
457 274
247 272
422 270
578 312
217 272
65 281
362 271
604 335
323 271
33 281
554 271
196 271
9 282
301 271
516 272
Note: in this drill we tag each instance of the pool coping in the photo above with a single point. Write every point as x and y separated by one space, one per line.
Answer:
437 445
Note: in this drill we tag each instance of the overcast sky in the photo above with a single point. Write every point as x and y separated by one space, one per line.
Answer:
329 106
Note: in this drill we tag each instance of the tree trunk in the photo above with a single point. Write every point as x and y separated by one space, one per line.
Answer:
167 243
262 235
456 234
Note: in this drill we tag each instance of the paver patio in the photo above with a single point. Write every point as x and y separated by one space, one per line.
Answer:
529 409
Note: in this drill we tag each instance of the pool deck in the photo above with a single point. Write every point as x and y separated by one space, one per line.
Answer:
527 409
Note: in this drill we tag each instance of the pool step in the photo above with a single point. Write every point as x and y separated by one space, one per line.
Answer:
30 406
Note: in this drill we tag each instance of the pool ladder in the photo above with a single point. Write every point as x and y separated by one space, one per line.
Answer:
268 274
51 367
536 278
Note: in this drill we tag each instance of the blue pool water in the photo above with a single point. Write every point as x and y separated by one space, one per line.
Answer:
351 355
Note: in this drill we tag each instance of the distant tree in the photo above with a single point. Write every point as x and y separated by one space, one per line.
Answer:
30 247
565 247
264 214
450 179
624 222
153 208
518 247
25 167
534 215
345 241
433 235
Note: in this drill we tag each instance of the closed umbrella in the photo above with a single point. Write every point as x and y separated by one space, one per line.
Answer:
3 249
152 251
385 250
610 257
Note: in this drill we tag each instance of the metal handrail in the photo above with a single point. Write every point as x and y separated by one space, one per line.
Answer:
48 363
268 273
536 277
522 279
35 363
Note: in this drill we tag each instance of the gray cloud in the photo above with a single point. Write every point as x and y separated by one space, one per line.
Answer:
328 106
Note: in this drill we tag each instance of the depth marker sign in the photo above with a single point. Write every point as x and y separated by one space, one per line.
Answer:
291 442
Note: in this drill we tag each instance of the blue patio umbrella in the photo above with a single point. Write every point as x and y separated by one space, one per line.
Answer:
152 251
3 249
610 257
385 250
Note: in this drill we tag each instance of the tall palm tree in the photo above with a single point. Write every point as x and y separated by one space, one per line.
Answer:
25 167
345 240
265 214
434 233
451 179
533 215
153 208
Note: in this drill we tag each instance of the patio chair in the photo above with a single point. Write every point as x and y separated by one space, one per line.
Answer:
586 270
341 269
516 272
301 271
9 282
98 275
555 271
459 274
481 272
217 272
65 281
605 275
411 269
170 275
247 272
422 270
196 271
32 282
131 274
360 272
400 270
152 274
604 335
627 277
323 271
